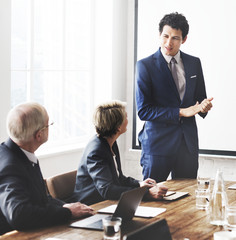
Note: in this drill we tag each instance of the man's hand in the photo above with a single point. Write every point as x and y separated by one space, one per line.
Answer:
203 107
78 209
206 105
158 191
190 111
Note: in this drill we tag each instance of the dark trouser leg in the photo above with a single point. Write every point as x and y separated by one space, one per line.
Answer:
156 167
186 163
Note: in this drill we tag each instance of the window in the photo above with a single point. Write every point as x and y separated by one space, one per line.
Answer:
51 63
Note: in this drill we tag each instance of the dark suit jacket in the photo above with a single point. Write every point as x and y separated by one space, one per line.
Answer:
23 198
97 179
158 104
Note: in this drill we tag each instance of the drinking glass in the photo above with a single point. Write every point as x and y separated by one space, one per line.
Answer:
203 183
111 227
231 218
202 198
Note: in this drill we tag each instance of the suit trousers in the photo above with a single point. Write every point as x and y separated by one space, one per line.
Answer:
182 164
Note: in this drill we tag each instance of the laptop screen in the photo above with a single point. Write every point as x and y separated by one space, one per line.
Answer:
125 209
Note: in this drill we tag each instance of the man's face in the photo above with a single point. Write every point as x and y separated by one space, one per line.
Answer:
45 131
171 40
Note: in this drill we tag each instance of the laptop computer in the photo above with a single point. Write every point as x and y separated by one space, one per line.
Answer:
158 230
125 209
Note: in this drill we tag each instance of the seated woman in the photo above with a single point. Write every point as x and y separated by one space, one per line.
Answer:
99 176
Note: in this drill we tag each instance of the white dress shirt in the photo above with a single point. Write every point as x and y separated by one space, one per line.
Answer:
30 156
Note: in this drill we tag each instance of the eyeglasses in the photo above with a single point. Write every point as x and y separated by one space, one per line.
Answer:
46 126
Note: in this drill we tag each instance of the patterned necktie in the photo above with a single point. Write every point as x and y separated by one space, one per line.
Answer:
174 72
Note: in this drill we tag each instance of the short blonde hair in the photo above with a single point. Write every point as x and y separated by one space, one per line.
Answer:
24 120
108 117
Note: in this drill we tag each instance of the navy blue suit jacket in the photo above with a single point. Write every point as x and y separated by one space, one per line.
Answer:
97 178
158 104
24 203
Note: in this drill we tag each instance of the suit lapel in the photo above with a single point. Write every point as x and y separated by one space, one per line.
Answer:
14 148
162 65
33 171
187 69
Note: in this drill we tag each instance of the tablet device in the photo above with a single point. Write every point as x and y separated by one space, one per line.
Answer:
175 195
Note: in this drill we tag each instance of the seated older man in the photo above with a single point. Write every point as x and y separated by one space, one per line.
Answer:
23 199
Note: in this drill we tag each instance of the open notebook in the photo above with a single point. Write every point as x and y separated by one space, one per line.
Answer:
171 195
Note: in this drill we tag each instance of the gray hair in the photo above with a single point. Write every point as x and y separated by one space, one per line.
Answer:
24 120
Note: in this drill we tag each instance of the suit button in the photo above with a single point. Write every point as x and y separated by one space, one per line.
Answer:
181 121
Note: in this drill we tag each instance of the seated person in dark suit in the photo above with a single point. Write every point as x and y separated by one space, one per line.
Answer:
24 203
99 176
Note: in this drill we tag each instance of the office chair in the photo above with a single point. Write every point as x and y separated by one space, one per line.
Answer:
61 186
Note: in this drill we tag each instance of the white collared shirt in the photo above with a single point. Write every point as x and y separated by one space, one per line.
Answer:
116 166
180 71
30 156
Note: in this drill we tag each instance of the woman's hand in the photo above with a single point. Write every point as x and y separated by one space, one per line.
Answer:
148 182
158 191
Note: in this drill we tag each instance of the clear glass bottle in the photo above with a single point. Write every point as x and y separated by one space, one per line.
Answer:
218 201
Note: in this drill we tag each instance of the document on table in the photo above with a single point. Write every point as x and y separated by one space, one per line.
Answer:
141 211
232 186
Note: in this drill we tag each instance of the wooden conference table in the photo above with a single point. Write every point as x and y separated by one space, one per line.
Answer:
184 220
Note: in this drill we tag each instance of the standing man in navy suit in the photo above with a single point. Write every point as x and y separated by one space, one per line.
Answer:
168 100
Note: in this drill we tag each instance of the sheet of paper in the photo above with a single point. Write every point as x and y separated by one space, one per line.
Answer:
148 211
140 212
232 186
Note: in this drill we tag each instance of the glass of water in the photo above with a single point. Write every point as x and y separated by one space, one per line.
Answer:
203 182
111 226
231 218
202 198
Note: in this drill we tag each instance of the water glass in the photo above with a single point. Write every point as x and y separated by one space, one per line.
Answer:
203 183
111 226
202 198
231 218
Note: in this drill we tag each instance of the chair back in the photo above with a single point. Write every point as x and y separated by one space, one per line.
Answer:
62 186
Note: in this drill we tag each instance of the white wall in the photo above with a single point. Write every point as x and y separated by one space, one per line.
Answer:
5 40
60 162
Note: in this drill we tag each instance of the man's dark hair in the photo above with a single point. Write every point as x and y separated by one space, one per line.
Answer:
175 20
